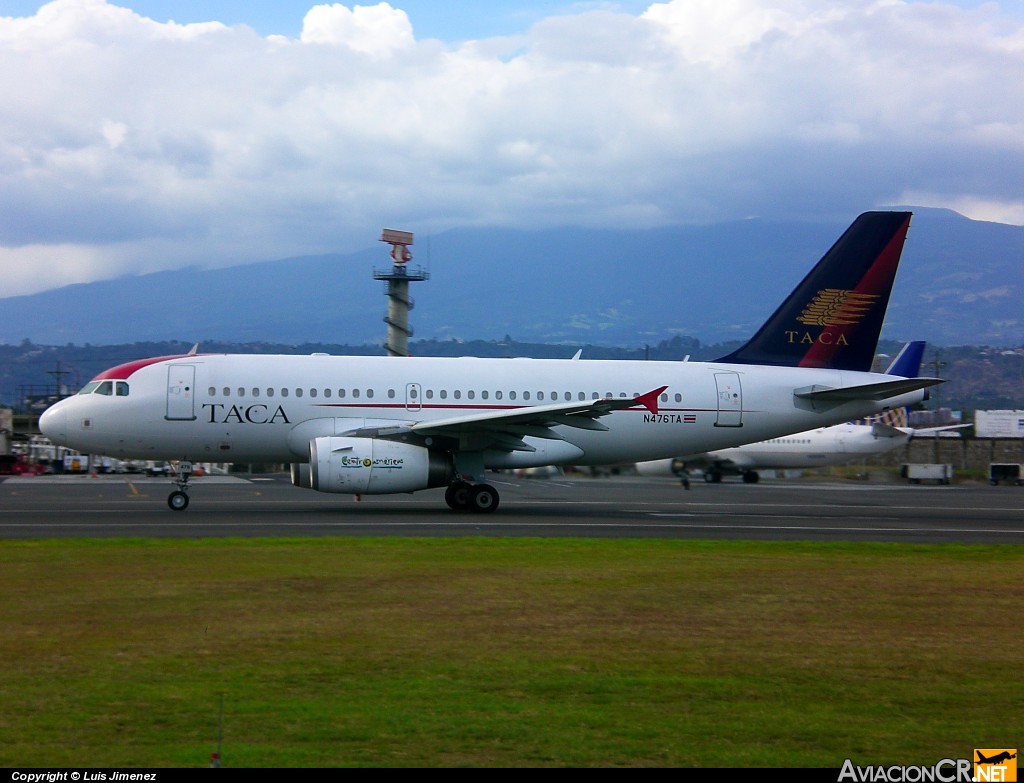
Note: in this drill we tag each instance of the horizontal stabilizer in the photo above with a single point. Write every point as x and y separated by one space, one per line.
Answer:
868 391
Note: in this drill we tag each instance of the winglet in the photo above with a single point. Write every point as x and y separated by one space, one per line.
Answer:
650 399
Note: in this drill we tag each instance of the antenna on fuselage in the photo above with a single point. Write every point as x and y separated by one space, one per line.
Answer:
398 279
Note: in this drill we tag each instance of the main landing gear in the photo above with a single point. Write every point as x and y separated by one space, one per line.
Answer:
477 498
178 500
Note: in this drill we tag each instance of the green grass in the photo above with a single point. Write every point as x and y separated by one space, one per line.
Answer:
506 652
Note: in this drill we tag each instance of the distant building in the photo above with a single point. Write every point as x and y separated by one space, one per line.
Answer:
999 424
940 417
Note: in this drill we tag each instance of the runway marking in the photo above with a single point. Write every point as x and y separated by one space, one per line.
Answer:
466 525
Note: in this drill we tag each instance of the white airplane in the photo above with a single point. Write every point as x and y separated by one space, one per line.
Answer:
819 447
380 425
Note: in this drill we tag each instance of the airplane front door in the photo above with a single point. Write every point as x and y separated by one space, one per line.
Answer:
730 399
181 392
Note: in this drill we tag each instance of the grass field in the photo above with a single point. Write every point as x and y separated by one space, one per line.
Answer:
506 652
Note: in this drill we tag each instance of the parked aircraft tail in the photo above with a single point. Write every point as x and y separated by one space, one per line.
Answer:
834 316
907 363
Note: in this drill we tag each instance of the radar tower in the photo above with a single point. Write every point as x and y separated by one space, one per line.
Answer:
398 279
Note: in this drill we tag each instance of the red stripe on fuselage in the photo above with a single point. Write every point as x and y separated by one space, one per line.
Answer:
124 371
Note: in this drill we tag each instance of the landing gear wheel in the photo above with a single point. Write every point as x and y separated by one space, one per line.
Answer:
457 496
483 499
751 477
177 500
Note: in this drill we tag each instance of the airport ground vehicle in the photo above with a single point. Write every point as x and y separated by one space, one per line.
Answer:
916 472
1006 471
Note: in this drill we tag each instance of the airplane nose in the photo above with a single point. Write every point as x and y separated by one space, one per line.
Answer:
54 423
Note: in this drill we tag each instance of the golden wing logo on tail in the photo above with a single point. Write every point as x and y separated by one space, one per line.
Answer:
837 307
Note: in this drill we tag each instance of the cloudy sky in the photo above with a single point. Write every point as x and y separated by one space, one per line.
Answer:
137 136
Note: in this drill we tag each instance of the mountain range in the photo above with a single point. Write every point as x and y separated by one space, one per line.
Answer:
960 282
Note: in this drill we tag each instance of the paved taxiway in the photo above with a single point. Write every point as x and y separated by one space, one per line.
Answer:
624 506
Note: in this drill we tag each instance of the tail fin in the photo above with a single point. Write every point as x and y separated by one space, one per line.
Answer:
907 363
834 317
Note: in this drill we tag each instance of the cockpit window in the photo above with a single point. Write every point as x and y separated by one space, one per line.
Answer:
106 388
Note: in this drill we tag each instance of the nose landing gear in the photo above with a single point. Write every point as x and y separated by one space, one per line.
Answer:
178 500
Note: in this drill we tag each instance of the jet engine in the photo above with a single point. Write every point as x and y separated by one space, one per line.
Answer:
371 466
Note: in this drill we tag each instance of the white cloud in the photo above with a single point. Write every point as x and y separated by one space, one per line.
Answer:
131 145
378 30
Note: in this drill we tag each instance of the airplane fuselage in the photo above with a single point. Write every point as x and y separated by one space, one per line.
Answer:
824 446
257 408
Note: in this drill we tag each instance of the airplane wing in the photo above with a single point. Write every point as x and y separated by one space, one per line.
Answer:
880 430
868 391
505 429
944 428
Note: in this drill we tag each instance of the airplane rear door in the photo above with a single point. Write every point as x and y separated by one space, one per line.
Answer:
181 392
730 399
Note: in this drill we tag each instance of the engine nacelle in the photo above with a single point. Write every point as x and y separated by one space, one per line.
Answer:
372 466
